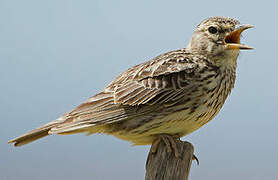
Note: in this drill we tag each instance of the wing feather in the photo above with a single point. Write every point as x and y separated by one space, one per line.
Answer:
162 80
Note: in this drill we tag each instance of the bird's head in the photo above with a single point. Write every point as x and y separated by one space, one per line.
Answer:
218 37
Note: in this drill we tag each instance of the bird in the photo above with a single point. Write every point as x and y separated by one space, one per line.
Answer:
165 98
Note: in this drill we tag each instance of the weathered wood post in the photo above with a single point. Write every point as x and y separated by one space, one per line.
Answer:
162 165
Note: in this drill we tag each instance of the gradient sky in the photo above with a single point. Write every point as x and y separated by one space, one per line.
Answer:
56 54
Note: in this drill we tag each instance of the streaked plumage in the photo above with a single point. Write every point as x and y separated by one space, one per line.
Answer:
174 93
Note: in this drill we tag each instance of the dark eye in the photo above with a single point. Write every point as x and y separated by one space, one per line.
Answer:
212 30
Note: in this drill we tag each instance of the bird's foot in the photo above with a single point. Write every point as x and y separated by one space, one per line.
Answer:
169 141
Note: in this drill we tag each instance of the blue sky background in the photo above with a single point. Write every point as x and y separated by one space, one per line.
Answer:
56 54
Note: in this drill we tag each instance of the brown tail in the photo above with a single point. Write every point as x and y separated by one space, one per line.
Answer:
32 135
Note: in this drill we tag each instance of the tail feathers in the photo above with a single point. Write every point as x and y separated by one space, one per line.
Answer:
55 127
32 135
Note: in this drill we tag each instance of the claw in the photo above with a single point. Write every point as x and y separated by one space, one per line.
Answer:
195 158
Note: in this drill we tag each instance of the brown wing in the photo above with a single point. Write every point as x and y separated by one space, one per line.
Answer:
157 80
136 92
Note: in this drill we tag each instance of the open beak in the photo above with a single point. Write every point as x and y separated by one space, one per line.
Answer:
232 40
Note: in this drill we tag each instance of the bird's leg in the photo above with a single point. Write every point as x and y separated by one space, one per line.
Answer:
169 141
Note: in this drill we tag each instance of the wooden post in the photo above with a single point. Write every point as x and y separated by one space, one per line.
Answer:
162 165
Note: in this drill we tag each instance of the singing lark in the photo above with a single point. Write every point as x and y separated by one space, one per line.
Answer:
170 95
